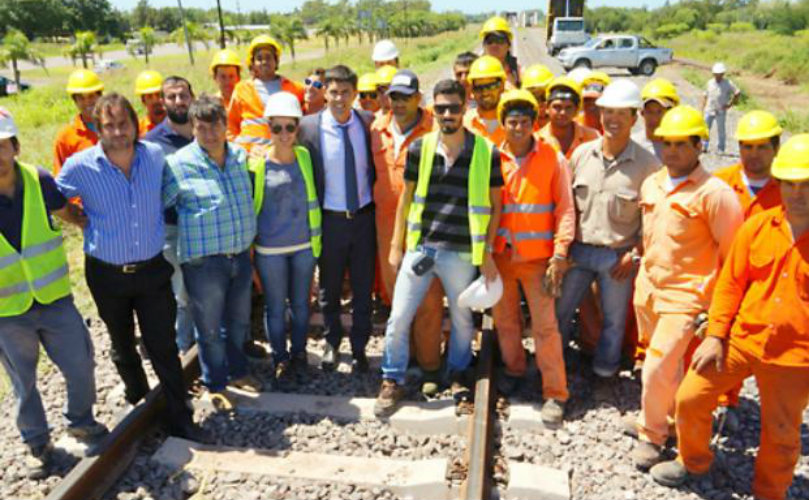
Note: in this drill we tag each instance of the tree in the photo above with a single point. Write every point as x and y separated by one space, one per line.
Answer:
35 18
196 33
84 47
148 40
288 30
329 28
17 47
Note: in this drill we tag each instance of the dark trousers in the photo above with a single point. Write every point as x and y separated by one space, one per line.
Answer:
146 292
348 244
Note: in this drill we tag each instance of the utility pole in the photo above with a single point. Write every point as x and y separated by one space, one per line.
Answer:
221 25
407 26
185 30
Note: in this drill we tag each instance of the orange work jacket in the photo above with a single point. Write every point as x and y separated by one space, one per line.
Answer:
71 139
581 134
475 124
246 123
768 197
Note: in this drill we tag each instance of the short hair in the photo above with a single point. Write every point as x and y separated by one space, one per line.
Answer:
523 107
321 72
114 100
208 109
465 58
341 74
174 80
15 143
449 87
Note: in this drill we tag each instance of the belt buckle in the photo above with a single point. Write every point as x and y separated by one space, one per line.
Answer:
129 268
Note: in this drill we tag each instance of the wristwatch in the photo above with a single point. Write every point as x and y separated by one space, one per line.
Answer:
635 257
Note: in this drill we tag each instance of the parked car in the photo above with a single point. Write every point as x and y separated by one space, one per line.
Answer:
106 65
8 86
632 52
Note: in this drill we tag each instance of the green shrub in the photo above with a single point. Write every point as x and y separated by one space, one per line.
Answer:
671 30
704 36
717 27
741 27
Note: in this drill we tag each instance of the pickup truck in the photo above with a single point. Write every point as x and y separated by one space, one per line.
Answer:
632 52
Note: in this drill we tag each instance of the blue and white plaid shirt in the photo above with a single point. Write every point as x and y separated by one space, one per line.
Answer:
215 206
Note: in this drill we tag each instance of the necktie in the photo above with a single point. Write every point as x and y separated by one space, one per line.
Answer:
352 195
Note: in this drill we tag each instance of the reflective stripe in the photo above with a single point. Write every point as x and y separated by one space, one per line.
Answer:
419 199
9 260
478 238
254 121
313 205
56 274
316 232
413 226
41 248
252 140
14 289
474 209
533 235
528 208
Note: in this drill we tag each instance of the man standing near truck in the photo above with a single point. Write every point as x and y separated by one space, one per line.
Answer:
720 95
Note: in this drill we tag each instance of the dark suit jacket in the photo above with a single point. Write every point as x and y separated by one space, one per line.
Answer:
309 136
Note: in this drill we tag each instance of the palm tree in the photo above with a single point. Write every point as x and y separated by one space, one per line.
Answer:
17 47
288 31
330 28
196 33
83 47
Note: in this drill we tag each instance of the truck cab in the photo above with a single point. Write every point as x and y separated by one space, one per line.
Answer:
566 32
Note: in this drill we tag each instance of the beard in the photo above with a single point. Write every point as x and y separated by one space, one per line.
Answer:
178 117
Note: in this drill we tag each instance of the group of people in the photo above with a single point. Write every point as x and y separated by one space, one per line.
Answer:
511 179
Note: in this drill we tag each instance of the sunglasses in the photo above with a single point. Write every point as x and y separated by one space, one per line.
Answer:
368 95
314 83
495 39
453 109
485 87
290 127
400 97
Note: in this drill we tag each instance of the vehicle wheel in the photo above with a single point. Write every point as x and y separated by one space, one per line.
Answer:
647 67
583 63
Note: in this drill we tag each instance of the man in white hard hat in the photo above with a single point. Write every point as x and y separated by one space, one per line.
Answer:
385 54
720 94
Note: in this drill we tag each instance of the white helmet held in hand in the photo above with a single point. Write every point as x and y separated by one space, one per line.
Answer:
385 50
283 104
480 295
622 93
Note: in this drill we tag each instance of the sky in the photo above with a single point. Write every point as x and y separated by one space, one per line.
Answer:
468 6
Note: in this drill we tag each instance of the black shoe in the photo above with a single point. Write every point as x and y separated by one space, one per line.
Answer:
299 363
253 350
89 434
360 363
38 461
192 432
329 359
508 384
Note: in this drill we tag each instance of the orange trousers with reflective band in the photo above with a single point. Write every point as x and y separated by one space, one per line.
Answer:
784 394
544 326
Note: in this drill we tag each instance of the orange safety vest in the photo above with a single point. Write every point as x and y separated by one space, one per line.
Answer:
145 125
527 221
475 124
71 139
246 123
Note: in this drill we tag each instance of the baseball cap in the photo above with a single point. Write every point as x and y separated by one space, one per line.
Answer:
404 82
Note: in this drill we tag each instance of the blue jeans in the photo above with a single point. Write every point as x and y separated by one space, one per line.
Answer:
286 277
720 119
185 323
60 330
456 272
592 263
219 289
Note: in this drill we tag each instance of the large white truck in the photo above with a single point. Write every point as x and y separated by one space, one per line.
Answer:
564 25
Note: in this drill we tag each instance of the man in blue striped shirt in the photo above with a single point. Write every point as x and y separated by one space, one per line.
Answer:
207 181
119 182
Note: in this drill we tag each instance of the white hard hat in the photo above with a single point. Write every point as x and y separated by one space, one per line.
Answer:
479 295
719 68
7 127
621 93
283 104
579 74
385 50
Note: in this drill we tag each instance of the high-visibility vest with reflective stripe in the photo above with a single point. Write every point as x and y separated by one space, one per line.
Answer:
527 222
39 270
258 166
480 207
253 128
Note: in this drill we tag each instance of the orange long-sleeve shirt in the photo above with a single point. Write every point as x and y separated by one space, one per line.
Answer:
768 197
71 139
761 300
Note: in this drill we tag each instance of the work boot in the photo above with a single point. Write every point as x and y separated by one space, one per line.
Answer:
429 383
508 384
360 363
299 363
329 359
671 473
630 427
38 460
192 432
461 394
248 383
645 455
552 413
390 393
89 434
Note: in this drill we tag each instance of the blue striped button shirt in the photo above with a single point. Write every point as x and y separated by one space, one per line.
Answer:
125 216
215 205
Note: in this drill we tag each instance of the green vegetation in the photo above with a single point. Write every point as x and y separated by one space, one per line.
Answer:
15 48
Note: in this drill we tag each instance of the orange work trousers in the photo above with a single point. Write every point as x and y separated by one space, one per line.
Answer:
544 326
784 393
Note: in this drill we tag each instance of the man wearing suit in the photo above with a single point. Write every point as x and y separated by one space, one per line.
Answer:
339 142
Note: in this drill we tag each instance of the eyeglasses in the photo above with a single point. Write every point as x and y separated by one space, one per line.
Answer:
495 39
487 86
453 109
290 127
314 83
368 95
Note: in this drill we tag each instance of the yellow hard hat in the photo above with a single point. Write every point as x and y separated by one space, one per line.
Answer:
563 81
225 57
384 75
792 161
494 24
662 91
757 125
682 121
84 81
148 82
263 41
512 96
486 67
536 76
367 83
594 83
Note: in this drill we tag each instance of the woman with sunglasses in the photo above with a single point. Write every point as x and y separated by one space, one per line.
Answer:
314 92
288 236
497 37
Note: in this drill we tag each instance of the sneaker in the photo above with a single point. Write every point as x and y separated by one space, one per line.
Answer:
390 393
645 455
299 362
192 432
248 383
552 413
360 363
89 434
220 400
329 359
508 384
671 473
38 461
429 383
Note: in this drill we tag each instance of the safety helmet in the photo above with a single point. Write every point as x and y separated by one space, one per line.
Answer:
8 128
719 68
536 76
384 75
84 81
662 91
792 161
367 83
757 125
384 50
494 24
579 74
148 82
283 104
622 93
486 67
682 121
594 84
563 81
512 96
263 41
480 294
225 57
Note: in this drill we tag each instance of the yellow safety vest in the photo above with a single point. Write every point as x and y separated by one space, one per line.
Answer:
258 166
480 207
39 270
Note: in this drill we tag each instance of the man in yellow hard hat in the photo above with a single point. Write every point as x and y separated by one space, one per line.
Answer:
84 87
592 87
497 38
226 71
487 79
564 100
384 75
757 326
689 221
367 95
246 123
659 96
535 79
147 87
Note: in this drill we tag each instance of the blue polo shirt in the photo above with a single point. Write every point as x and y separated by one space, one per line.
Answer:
11 209
165 137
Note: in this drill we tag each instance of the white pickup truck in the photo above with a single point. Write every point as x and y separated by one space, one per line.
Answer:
634 53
